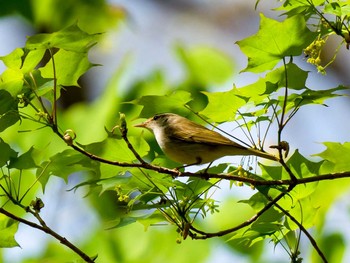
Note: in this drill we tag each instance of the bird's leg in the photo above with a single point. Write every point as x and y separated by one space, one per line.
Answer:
206 169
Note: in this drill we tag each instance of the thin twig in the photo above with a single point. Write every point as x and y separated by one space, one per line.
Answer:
281 124
54 103
219 129
124 131
249 135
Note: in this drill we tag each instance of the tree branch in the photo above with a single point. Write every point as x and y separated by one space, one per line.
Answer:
205 235
43 227
224 176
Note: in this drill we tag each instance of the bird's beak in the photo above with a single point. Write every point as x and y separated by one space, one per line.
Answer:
143 124
140 125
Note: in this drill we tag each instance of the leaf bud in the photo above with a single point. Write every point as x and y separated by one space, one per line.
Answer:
69 136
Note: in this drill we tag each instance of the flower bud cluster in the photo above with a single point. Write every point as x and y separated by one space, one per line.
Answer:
313 53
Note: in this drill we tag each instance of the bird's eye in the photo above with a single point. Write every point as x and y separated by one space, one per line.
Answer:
156 117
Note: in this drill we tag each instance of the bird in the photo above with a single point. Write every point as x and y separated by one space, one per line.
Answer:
190 143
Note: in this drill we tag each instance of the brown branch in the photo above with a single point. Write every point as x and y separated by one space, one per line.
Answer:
303 229
124 131
224 176
205 235
176 173
43 227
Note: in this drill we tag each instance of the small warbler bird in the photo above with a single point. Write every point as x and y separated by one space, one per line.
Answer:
189 143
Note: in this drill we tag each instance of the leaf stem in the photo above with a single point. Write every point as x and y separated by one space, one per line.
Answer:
54 103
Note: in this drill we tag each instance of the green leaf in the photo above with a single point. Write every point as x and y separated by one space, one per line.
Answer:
254 92
256 201
299 165
14 59
302 167
222 106
274 172
26 60
116 149
67 74
113 182
296 77
303 210
42 87
24 161
274 41
8 119
71 38
152 219
257 92
205 65
319 96
295 3
32 60
8 229
337 157
6 152
11 80
267 227
64 164
333 8
312 97
300 7
173 102
8 110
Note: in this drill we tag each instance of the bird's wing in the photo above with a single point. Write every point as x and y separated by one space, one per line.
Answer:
196 133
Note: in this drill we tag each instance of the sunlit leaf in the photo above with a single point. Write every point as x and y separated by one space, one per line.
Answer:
11 80
319 96
8 229
300 7
337 156
302 167
71 38
296 77
32 59
304 211
67 74
116 149
223 106
25 60
333 8
173 102
14 59
274 172
274 41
